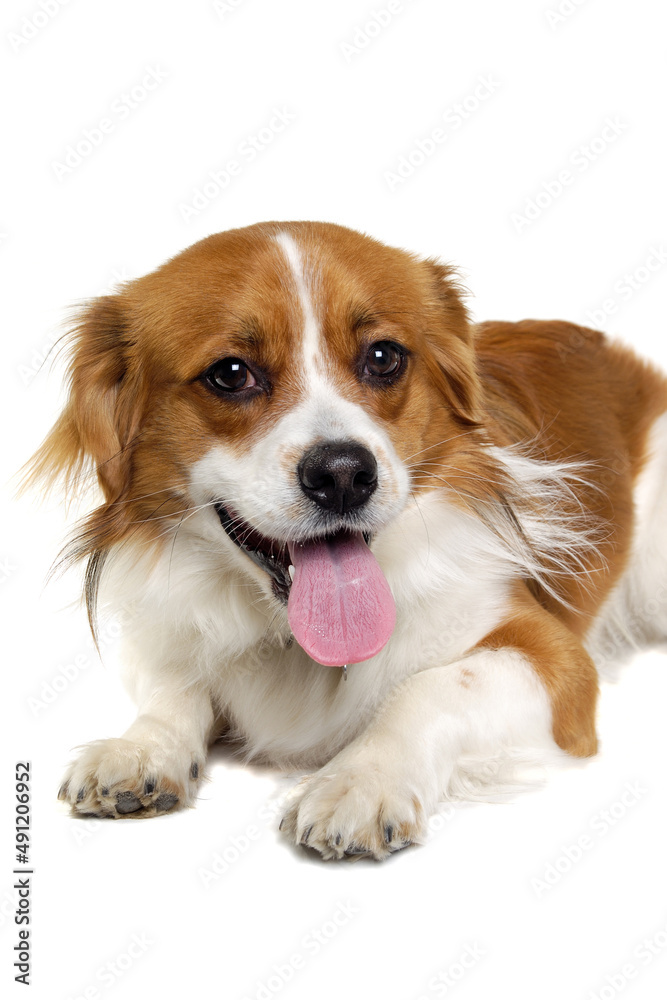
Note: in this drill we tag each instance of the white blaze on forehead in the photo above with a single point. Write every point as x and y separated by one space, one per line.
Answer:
260 482
310 337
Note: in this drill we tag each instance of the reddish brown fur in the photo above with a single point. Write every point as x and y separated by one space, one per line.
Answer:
593 405
140 417
563 665
138 414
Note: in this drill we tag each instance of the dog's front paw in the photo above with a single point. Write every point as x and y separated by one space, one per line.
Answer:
119 778
354 809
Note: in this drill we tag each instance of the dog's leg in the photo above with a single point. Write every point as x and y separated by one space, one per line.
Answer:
156 766
376 795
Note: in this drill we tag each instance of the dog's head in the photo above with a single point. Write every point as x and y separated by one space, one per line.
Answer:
290 386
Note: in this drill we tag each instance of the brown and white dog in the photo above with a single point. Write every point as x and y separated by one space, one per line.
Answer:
311 459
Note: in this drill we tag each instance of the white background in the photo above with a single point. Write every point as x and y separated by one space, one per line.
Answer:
118 213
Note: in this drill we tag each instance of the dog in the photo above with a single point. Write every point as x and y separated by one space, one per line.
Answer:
351 529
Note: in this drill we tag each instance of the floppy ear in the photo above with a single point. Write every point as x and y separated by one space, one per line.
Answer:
451 340
95 430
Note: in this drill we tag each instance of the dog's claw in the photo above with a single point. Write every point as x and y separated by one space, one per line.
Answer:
353 850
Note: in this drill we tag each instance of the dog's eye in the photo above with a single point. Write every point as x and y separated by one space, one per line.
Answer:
230 375
383 359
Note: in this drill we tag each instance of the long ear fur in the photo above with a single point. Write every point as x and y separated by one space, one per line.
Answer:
94 432
94 437
452 347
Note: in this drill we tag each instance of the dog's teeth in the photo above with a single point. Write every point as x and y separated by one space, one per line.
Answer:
290 570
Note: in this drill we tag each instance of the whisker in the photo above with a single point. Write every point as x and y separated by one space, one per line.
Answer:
462 472
461 493
421 514
437 444
171 552
144 496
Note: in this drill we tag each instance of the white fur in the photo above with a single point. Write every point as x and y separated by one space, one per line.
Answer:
209 647
261 481
449 573
556 536
313 358
636 610
377 794
192 606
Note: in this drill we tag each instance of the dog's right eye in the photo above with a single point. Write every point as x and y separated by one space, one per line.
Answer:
229 375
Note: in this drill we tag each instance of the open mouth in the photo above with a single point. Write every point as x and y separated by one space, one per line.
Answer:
339 605
271 556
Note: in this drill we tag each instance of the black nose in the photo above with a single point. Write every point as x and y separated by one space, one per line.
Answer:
339 475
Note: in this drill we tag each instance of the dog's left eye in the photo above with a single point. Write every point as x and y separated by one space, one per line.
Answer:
384 359
230 375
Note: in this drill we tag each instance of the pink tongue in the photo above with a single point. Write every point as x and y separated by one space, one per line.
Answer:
340 607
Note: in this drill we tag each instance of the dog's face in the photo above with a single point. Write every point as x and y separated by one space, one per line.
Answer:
294 382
